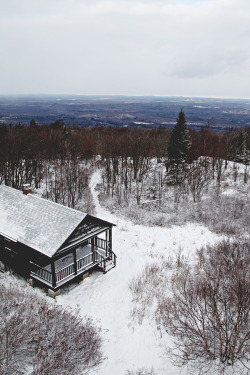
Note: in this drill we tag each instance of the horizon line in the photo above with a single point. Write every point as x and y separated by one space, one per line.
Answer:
127 95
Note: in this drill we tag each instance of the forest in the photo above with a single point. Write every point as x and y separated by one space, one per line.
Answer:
162 178
26 153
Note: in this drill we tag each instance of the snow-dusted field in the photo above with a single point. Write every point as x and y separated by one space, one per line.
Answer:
107 298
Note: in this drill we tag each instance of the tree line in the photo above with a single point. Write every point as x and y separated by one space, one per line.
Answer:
33 144
57 140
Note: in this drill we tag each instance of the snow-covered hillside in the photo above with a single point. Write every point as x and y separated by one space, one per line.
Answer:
107 298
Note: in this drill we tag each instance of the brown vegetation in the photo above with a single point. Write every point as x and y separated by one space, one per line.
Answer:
207 313
39 335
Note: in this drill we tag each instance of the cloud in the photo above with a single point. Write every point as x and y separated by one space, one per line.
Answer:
132 46
36 8
205 64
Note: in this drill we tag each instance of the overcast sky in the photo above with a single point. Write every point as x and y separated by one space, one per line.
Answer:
128 47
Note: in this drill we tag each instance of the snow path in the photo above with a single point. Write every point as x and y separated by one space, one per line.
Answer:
106 297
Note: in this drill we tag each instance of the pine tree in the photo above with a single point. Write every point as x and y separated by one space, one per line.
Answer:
240 152
33 123
178 151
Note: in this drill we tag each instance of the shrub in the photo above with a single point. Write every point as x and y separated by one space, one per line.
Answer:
207 313
38 334
141 371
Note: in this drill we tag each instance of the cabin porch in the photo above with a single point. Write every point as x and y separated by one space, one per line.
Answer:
94 252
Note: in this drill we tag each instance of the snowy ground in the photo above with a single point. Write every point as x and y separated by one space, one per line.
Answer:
107 298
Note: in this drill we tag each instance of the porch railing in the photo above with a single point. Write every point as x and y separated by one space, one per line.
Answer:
70 269
81 264
84 262
102 244
112 256
65 272
43 274
100 259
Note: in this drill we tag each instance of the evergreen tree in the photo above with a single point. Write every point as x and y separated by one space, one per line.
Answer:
178 150
240 152
33 123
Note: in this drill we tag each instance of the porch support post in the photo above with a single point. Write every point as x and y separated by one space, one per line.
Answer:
53 273
106 238
75 262
93 248
110 238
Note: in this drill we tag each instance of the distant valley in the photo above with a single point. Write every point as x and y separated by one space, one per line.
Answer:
146 112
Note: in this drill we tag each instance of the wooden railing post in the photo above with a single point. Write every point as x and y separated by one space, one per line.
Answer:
75 261
110 238
107 241
93 248
53 273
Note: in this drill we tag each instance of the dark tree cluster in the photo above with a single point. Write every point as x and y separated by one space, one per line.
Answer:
57 140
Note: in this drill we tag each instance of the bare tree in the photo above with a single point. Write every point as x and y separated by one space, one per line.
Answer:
207 313
199 177
66 181
144 167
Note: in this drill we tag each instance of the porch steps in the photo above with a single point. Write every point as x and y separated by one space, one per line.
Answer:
109 265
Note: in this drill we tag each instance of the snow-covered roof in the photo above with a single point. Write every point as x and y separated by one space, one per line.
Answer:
36 222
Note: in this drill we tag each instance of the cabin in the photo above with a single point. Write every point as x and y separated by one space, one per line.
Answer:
48 243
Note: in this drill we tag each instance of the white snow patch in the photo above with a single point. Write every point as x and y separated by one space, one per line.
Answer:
107 298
